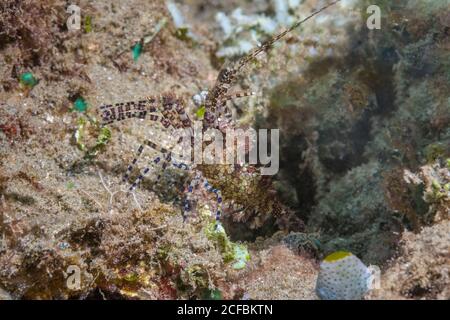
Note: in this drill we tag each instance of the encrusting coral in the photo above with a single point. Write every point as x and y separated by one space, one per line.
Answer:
422 269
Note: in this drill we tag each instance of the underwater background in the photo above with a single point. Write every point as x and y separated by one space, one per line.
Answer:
364 120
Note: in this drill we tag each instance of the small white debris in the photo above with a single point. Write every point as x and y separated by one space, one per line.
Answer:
200 98
177 17
49 118
225 24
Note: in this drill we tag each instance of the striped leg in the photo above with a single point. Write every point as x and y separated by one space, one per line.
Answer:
167 155
171 107
239 95
165 105
188 199
180 165
126 110
166 123
141 148
167 159
142 175
222 106
130 166
184 117
218 194
142 109
147 169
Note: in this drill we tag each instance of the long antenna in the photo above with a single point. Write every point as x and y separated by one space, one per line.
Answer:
267 44
228 74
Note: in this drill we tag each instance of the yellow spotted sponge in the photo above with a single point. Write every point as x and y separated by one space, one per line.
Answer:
342 276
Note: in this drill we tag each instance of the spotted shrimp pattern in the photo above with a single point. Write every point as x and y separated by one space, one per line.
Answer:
242 185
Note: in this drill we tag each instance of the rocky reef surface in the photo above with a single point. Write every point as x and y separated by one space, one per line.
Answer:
364 149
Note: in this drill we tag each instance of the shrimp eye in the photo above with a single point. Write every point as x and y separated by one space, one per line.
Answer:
223 75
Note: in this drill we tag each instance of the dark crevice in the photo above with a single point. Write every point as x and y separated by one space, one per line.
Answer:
242 232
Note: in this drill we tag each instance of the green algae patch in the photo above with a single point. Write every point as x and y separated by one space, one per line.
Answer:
435 151
87 129
214 294
80 104
27 79
183 34
241 256
88 24
70 185
200 113
231 252
137 50
79 134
